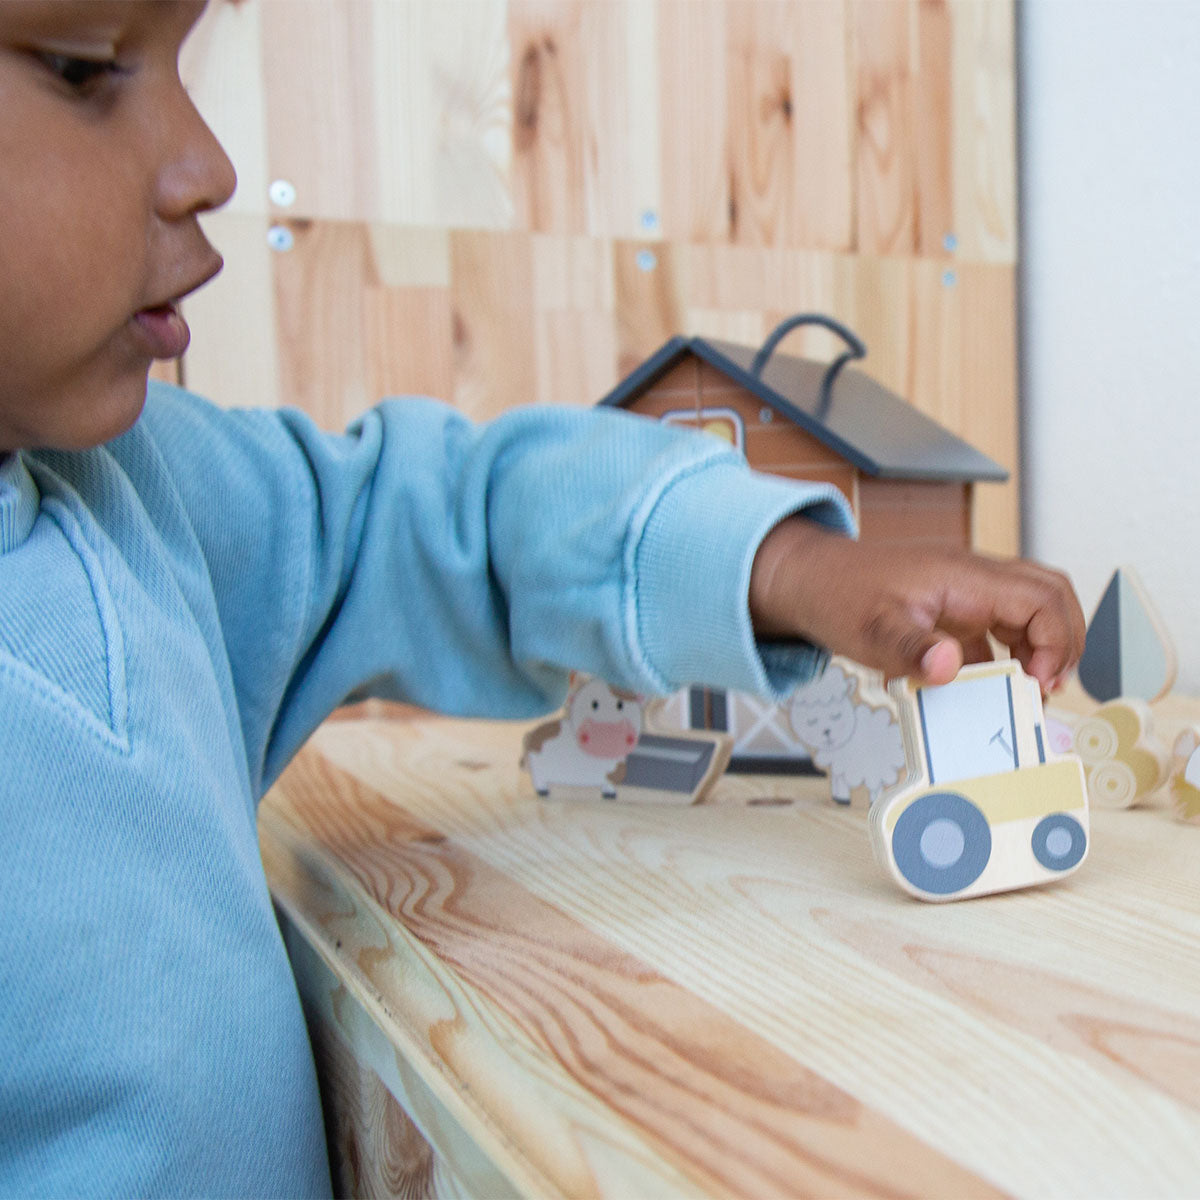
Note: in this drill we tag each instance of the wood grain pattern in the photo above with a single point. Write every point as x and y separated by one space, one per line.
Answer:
678 166
376 1149
730 999
984 131
886 128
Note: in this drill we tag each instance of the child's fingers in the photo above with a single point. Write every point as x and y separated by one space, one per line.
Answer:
917 613
1038 617
1030 609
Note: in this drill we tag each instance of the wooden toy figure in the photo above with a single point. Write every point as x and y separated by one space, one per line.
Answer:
1185 776
985 806
1129 653
599 748
858 743
1124 762
588 745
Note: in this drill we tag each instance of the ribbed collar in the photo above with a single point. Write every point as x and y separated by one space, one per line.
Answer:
19 502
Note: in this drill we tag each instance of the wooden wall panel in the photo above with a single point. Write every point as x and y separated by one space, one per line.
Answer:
887 143
823 115
320 100
491 289
983 124
933 99
236 345
693 97
764 163
517 201
650 286
549 115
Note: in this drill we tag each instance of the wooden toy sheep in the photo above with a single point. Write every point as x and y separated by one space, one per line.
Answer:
860 745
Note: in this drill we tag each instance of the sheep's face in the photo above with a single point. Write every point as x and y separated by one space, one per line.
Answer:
823 726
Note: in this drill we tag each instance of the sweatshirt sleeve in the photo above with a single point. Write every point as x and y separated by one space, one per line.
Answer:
467 568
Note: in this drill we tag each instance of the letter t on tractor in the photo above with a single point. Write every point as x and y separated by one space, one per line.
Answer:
985 807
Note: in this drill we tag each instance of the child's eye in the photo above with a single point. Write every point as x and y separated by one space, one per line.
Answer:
80 74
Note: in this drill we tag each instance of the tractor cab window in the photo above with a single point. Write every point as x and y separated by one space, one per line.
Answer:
969 728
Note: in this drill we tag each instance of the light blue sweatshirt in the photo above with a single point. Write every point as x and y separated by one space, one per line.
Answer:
178 611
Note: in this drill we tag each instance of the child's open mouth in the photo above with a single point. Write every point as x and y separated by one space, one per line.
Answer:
164 331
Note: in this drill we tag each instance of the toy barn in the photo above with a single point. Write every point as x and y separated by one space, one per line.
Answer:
908 479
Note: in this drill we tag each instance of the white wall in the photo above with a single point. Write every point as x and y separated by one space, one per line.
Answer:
1110 296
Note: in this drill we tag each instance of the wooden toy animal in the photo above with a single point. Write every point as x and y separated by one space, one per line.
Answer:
859 744
605 746
588 745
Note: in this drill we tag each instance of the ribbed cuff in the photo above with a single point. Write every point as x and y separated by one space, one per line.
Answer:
690 614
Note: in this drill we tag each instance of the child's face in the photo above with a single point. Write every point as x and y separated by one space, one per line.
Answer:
104 166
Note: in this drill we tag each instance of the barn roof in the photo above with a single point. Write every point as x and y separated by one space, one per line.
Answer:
859 419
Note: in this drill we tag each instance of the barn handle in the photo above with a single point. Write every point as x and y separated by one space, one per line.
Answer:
856 348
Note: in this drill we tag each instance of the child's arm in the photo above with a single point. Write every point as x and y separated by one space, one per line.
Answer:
912 611
467 568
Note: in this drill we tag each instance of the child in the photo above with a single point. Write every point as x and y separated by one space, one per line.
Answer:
185 593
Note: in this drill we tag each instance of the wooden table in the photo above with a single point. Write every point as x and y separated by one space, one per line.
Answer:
510 996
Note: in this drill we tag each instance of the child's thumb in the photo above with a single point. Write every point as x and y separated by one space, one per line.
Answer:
940 662
928 656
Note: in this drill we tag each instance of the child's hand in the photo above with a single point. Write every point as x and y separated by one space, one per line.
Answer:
913 612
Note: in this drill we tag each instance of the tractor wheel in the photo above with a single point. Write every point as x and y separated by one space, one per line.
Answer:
941 843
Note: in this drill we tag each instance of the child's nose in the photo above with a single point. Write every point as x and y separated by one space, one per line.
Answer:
198 175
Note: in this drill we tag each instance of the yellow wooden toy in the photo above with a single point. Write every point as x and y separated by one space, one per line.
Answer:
1124 761
1185 775
986 806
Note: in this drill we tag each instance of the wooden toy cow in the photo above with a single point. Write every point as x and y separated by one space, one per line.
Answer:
588 745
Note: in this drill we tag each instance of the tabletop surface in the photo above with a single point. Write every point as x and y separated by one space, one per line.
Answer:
731 998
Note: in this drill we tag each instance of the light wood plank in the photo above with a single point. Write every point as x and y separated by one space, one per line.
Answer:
320 291
823 113
650 286
549 115
600 1052
693 95
886 142
764 163
320 103
933 99
1044 1041
984 176
493 322
234 354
